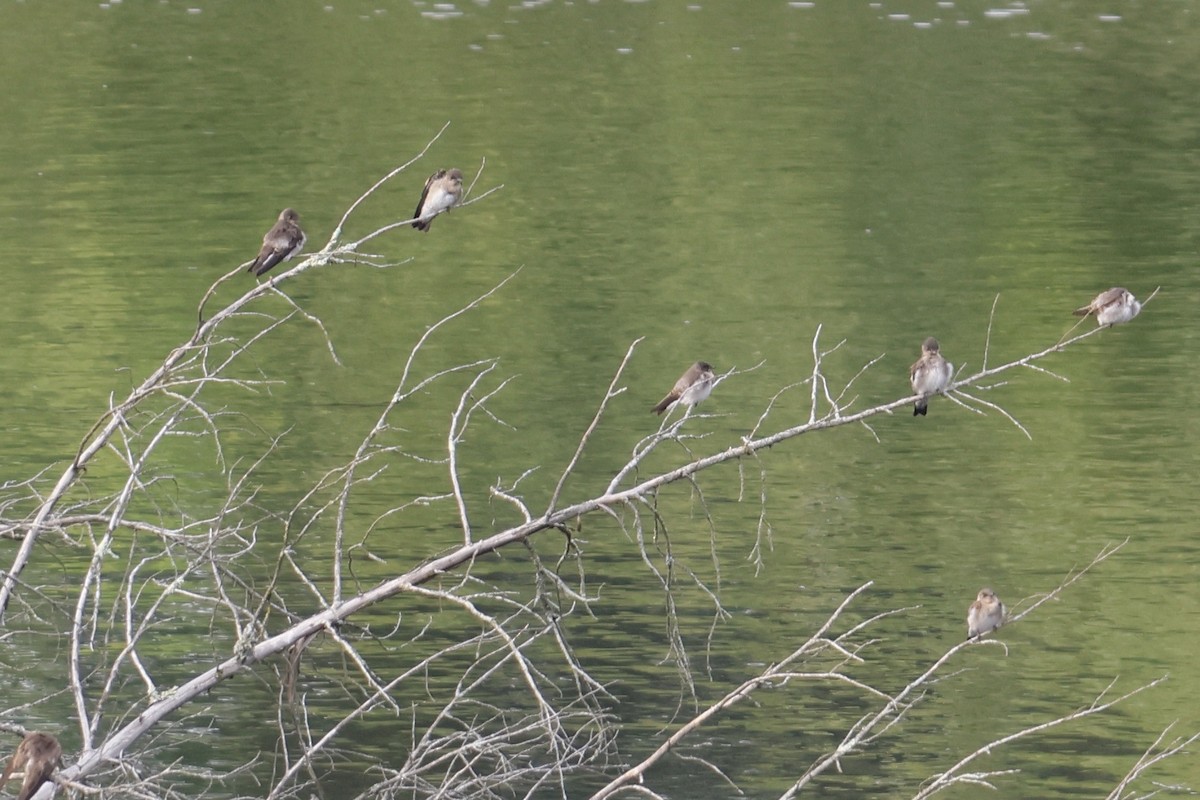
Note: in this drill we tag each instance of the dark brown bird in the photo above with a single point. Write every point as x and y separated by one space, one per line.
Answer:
442 192
37 755
283 241
692 388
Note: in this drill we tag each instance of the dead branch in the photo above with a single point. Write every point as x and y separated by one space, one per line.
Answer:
507 705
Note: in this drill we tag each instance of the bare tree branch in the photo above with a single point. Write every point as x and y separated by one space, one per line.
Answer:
479 666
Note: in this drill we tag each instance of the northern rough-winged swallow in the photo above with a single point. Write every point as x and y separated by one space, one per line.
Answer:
930 375
1113 307
283 241
985 614
692 388
37 755
442 192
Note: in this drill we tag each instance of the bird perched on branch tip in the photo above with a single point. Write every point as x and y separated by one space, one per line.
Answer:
1113 307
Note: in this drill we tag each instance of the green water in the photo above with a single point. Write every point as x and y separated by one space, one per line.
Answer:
719 178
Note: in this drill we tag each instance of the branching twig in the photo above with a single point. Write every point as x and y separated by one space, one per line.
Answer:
509 706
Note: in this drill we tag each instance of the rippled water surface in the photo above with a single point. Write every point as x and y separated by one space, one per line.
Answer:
719 180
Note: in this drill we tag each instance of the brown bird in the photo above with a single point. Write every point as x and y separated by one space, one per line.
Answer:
442 192
929 375
985 614
692 388
283 241
1113 307
37 755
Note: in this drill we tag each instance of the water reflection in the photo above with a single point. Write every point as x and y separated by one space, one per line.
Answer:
721 181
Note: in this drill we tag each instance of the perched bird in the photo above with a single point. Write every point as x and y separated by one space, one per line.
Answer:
442 192
692 388
37 755
930 375
1113 307
283 241
985 614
